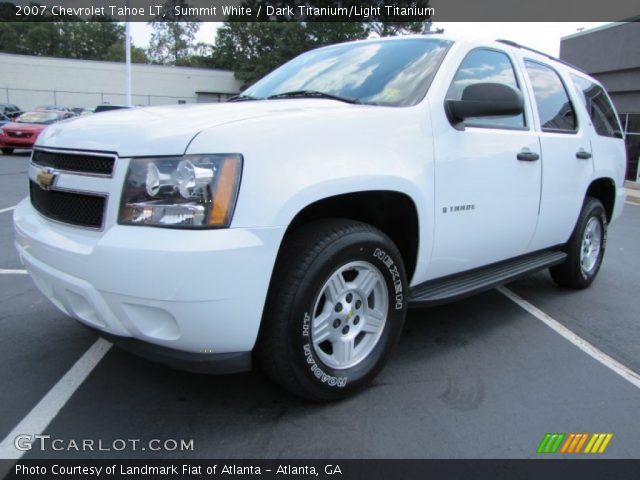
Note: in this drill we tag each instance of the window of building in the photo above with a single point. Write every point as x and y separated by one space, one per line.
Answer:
631 126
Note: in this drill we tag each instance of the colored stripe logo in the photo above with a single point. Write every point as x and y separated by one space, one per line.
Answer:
574 443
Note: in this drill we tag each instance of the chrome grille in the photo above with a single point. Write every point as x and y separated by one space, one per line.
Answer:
93 164
74 208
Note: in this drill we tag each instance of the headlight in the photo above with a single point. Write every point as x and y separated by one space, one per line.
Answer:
1 132
193 191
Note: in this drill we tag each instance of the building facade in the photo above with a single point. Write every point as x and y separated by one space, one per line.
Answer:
29 81
611 54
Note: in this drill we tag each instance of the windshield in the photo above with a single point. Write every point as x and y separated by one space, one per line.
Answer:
42 118
393 73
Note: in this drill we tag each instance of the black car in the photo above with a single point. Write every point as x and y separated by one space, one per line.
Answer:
108 108
10 110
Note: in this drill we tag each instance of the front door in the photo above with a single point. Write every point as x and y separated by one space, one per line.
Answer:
487 175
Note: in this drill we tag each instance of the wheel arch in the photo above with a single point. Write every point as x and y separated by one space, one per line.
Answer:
394 213
604 189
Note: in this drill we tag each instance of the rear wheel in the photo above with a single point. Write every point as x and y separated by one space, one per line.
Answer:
335 310
7 151
585 248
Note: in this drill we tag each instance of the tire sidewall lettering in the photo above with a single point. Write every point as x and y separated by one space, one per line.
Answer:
388 262
316 370
340 379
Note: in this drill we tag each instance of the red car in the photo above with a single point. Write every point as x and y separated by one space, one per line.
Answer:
23 132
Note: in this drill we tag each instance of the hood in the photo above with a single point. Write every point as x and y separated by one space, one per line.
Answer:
168 130
23 127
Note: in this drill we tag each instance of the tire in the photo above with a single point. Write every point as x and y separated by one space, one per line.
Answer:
323 265
7 151
585 248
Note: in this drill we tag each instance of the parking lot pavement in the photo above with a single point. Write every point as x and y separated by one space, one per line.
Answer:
608 314
13 170
37 346
481 378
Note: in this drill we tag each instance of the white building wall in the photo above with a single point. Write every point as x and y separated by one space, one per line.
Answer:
29 81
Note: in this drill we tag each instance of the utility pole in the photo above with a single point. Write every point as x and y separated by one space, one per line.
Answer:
127 59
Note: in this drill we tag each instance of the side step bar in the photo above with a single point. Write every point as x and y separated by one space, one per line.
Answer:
460 285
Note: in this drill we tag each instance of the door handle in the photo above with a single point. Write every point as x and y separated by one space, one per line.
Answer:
527 156
583 154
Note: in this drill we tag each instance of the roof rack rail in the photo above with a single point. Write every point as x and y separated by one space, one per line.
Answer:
550 57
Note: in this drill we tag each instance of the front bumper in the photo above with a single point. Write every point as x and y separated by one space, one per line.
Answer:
11 142
210 363
196 291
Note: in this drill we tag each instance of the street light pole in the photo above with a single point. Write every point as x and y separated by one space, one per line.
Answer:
127 55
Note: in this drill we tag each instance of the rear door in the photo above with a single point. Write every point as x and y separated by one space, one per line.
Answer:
606 137
567 157
487 174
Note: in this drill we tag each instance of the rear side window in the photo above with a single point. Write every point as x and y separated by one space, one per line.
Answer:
486 66
554 106
602 114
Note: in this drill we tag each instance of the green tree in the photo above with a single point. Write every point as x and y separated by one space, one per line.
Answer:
391 29
116 53
87 40
173 35
253 49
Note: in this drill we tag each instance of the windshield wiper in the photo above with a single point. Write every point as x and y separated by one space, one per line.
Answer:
312 94
242 98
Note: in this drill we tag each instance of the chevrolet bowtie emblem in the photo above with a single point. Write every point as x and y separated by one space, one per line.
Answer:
45 179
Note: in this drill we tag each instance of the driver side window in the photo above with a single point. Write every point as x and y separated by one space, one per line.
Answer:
486 66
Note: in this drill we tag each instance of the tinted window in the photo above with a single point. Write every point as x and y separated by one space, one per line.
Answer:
554 107
486 66
600 110
395 73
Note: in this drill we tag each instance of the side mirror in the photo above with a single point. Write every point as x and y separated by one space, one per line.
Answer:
485 100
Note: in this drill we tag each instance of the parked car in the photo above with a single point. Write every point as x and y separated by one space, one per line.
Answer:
108 108
296 224
10 110
81 112
4 119
59 108
24 131
66 112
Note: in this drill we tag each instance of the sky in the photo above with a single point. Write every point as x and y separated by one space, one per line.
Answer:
543 36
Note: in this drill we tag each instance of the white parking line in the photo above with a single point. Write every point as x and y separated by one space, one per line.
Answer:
4 271
622 370
7 209
47 408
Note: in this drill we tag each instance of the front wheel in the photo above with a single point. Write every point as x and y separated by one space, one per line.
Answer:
7 151
335 310
585 248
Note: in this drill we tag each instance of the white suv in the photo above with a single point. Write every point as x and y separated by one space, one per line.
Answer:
295 224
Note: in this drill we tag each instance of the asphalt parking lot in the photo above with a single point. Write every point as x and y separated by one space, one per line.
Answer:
482 378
